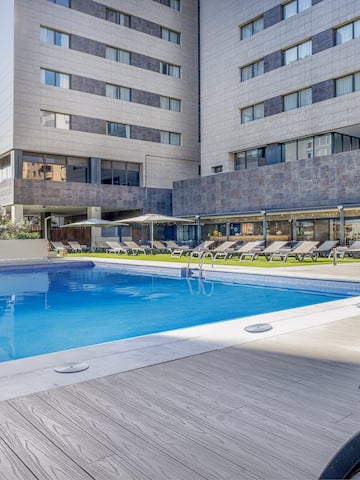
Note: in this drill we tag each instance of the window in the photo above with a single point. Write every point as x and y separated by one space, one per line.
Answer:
55 120
307 148
63 3
348 84
120 173
54 167
118 55
120 93
170 104
298 99
118 130
347 32
252 113
251 71
5 168
56 79
175 4
170 138
251 28
171 70
217 169
298 52
118 17
249 159
296 6
170 35
54 37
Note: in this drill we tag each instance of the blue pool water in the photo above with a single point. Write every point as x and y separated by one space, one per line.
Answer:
43 311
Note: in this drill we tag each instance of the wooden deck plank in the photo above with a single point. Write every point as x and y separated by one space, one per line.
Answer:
137 454
39 455
11 467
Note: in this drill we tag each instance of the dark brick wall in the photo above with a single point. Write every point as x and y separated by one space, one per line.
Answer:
145 26
110 197
88 85
323 91
87 124
272 106
90 7
143 61
145 133
86 45
322 41
324 181
273 60
272 16
145 98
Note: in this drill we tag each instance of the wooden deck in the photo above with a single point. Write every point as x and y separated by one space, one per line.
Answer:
274 409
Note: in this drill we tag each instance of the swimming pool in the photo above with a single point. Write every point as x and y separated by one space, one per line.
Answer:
44 310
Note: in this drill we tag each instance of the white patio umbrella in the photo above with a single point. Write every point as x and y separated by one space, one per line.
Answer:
151 218
93 222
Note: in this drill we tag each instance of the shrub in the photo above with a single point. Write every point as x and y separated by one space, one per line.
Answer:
10 230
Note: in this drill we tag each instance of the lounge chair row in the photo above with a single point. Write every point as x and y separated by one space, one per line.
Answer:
277 250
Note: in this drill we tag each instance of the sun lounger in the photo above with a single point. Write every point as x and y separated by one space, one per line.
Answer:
325 249
204 247
222 251
176 249
352 251
75 247
101 246
254 253
135 248
300 251
117 248
160 247
60 248
246 247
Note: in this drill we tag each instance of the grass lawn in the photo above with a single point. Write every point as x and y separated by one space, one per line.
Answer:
260 262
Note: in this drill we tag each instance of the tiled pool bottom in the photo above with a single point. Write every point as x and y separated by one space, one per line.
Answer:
20 377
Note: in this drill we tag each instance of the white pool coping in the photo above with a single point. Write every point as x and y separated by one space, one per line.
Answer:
30 375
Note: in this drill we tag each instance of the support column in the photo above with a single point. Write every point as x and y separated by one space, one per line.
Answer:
17 213
342 225
227 230
293 229
94 212
264 227
198 230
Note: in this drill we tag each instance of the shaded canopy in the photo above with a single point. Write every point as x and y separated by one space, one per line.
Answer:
93 222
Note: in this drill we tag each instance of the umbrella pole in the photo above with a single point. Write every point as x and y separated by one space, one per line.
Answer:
152 234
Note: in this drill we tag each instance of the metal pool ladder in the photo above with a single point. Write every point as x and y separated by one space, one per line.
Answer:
201 259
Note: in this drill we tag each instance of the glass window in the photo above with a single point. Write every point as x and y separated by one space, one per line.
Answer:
33 167
322 145
252 159
258 111
63 3
171 70
357 29
247 115
252 70
290 9
305 97
337 143
54 37
346 143
170 138
55 120
239 161
355 143
47 119
305 148
305 49
290 101
170 104
246 73
120 93
118 55
118 17
118 130
357 82
48 77
76 170
344 34
62 121
251 28
170 35
5 168
344 85
304 4
290 55
258 68
290 151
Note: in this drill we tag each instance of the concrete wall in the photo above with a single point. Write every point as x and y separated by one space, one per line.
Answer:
36 249
6 75
323 181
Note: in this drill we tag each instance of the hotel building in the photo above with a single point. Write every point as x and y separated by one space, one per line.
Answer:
280 122
100 102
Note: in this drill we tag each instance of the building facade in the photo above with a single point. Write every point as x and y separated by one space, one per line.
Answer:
98 106
280 124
